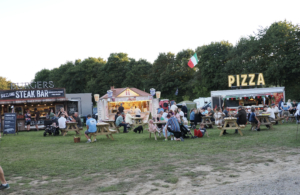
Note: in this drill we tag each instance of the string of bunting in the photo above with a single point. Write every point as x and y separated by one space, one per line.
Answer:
246 97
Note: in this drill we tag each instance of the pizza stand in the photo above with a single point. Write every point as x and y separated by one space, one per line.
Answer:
108 104
255 97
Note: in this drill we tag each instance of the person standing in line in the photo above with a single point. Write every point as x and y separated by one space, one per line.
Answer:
137 112
184 109
28 120
36 118
121 109
4 185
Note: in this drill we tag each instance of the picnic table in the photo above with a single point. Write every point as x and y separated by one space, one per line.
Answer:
264 117
137 121
71 126
231 121
111 123
157 123
103 129
206 121
278 118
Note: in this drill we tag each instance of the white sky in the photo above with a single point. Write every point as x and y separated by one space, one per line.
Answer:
37 34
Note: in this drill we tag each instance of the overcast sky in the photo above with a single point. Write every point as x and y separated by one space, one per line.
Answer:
37 34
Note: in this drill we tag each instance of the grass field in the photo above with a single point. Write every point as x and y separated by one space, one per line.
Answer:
34 164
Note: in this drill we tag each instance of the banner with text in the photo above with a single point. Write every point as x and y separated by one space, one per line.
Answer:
34 93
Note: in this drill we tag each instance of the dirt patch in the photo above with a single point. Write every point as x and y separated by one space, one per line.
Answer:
251 172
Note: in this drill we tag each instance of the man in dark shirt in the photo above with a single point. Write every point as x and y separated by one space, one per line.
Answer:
121 109
211 114
77 119
36 118
242 117
226 112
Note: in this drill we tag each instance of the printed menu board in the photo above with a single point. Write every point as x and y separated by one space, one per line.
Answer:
9 126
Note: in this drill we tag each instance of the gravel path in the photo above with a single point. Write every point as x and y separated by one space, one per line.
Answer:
283 185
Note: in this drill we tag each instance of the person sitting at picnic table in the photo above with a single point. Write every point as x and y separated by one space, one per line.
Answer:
174 107
211 114
120 122
242 117
177 115
62 122
248 111
271 112
192 116
116 116
280 104
173 127
91 127
203 111
226 112
297 116
164 115
75 118
160 109
285 109
293 107
128 118
219 117
253 119
184 109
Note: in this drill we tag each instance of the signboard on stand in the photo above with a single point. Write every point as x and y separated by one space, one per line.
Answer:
10 120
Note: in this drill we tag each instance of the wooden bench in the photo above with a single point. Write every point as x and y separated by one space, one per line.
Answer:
292 118
111 131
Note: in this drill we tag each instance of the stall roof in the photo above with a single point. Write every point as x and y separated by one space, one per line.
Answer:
37 100
254 91
118 91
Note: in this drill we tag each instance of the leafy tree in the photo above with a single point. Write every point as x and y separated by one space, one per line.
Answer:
42 75
4 83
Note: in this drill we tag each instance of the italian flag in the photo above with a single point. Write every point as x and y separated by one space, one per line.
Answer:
193 61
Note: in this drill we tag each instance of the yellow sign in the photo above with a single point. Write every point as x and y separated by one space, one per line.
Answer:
128 93
241 80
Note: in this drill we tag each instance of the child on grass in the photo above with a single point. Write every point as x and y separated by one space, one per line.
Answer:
203 130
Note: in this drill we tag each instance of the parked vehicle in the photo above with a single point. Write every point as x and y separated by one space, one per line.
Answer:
203 102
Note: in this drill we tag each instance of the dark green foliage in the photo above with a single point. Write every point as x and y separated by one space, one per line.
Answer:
273 51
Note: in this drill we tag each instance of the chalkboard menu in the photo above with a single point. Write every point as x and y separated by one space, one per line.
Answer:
9 126
232 103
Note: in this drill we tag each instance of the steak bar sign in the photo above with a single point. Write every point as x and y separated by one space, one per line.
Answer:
36 93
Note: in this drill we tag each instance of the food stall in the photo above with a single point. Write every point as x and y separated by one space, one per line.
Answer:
130 98
44 99
254 97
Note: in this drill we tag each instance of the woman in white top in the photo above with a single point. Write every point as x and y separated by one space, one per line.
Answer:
128 118
137 112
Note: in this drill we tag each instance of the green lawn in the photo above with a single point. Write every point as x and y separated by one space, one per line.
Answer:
57 165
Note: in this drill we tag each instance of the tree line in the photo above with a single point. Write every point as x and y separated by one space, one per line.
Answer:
273 51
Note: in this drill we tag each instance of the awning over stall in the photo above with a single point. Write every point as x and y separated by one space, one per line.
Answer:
42 100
